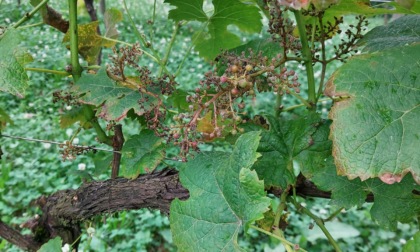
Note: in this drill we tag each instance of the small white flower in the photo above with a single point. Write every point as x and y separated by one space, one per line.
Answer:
76 141
69 132
403 241
46 145
68 107
91 231
65 248
81 166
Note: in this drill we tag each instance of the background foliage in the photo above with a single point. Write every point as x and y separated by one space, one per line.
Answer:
30 170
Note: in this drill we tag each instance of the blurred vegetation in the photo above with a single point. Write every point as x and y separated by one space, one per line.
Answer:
30 169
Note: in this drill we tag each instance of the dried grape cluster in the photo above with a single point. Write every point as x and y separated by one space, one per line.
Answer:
70 151
281 28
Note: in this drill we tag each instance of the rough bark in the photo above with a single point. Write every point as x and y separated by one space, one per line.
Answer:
14 237
53 18
64 210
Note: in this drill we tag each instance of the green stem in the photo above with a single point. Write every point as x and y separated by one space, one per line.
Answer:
190 48
280 208
283 240
303 105
102 136
92 67
30 14
152 31
168 50
307 57
133 26
318 221
300 98
333 215
323 59
31 25
74 42
42 70
142 40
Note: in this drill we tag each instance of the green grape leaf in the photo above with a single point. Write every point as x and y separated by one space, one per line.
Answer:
142 154
53 245
77 114
364 7
375 131
225 196
4 119
13 78
217 36
113 99
102 162
111 17
345 193
313 158
392 203
280 145
401 32
413 245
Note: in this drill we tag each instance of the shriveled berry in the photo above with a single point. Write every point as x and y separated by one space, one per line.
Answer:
234 91
223 79
234 132
248 67
176 136
234 68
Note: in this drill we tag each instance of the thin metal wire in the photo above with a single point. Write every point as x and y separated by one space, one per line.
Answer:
57 143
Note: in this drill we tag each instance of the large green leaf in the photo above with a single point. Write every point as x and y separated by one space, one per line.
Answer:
217 36
114 100
225 195
413 245
53 245
401 32
13 78
363 7
375 132
392 203
280 145
142 154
